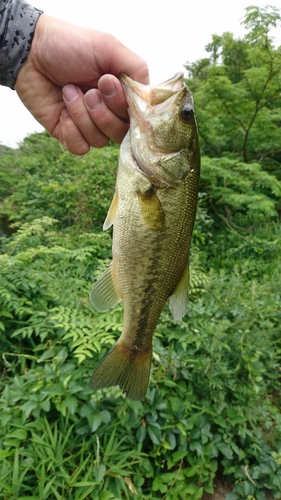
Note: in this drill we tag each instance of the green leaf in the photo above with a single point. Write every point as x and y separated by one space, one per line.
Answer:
20 434
172 440
178 455
141 433
231 496
225 449
154 434
100 471
105 416
106 495
71 404
95 420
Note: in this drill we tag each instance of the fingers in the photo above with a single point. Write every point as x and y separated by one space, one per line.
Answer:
119 58
83 126
93 119
68 133
107 107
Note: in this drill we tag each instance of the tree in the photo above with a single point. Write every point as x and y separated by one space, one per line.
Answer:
238 92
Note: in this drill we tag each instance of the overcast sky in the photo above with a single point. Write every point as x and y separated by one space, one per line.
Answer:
165 34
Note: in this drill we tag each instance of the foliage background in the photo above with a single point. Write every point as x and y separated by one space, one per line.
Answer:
213 405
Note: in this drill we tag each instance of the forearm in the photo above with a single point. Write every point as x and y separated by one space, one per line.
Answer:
17 25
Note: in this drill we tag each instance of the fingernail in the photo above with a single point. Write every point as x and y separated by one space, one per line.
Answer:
64 113
109 88
93 99
70 92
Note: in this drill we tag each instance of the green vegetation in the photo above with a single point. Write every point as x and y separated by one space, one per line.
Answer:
213 405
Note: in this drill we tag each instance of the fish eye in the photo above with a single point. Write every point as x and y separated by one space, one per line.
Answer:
187 112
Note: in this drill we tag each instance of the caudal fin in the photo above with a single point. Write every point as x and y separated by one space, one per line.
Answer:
126 368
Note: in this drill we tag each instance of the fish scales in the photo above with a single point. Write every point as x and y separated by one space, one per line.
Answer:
152 213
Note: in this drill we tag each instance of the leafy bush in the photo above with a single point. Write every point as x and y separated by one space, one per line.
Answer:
74 190
209 394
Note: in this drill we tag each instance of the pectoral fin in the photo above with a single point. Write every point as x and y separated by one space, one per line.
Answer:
152 210
178 301
110 218
104 295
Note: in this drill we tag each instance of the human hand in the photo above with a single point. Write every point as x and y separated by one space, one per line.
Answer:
69 82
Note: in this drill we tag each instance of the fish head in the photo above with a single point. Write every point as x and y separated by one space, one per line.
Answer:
163 130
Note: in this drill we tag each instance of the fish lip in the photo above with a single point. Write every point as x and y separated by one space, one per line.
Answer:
151 94
133 83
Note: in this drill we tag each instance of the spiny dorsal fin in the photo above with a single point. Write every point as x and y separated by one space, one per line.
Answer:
104 295
110 218
178 301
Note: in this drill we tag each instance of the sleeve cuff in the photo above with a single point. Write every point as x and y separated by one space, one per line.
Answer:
17 26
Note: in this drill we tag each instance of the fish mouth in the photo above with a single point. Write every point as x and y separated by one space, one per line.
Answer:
150 105
151 94
149 102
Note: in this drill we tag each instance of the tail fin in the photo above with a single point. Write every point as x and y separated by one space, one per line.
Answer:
125 367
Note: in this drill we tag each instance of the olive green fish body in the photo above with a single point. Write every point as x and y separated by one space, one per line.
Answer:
152 213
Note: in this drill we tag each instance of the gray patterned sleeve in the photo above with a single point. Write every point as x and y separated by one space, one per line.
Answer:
17 25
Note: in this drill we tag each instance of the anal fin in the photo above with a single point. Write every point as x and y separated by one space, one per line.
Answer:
178 301
110 218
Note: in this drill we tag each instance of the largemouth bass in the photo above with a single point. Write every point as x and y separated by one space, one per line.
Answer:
153 213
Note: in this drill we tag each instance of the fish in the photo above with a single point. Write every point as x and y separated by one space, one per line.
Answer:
152 212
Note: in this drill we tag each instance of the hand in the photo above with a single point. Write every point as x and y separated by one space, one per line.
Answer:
69 82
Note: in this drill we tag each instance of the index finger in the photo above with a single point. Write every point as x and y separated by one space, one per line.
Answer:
119 59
